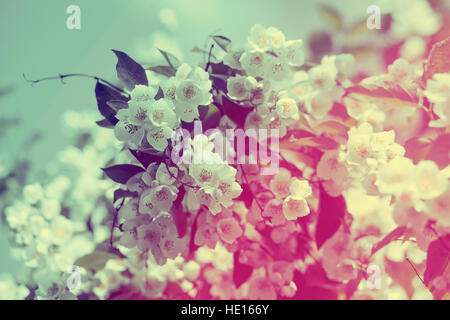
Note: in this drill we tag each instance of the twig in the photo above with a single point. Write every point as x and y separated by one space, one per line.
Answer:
62 76
209 57
414 268
115 222
253 195
177 179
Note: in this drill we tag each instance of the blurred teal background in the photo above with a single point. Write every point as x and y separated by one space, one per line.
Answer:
36 41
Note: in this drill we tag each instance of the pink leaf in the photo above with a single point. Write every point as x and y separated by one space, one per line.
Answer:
438 61
394 234
385 92
440 151
331 216
437 258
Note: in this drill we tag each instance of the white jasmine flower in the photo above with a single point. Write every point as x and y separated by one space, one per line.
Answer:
169 87
292 52
276 38
33 193
164 176
287 108
322 77
429 181
295 208
138 112
300 189
157 137
239 88
142 93
254 63
259 37
187 112
125 131
396 176
148 236
190 92
10 290
50 208
161 114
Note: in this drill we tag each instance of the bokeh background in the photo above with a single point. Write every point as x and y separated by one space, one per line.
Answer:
36 42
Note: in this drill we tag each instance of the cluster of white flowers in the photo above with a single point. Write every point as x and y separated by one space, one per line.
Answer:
49 225
411 17
155 117
272 81
146 221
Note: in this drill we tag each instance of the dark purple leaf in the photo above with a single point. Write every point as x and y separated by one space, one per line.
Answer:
104 94
159 94
179 215
120 193
235 112
129 71
122 172
146 158
320 44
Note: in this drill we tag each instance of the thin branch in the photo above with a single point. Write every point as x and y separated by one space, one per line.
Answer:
209 57
414 268
116 216
63 76
177 179
253 195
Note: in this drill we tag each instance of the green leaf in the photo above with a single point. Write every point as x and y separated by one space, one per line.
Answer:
95 261
105 123
122 172
173 61
222 42
332 16
117 104
167 71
